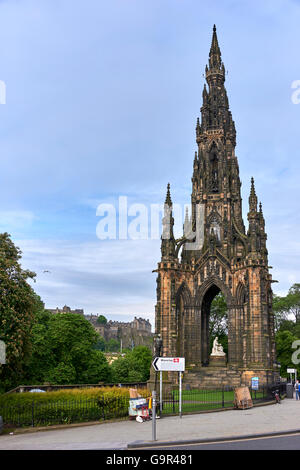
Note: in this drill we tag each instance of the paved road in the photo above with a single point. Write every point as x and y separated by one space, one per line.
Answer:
266 419
291 442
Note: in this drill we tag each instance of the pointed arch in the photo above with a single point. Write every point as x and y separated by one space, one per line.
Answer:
184 303
184 293
240 294
209 283
214 146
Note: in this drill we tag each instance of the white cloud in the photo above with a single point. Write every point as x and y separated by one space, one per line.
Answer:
15 219
110 277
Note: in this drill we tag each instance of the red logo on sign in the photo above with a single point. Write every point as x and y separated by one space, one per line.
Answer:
176 359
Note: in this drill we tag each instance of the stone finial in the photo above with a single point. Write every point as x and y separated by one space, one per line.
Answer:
168 200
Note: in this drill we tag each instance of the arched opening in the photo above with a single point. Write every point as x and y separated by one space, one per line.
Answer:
184 321
180 347
218 321
214 322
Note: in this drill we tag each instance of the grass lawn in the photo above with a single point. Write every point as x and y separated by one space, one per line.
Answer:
198 400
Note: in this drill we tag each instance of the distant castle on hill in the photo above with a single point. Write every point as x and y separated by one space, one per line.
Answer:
134 333
66 309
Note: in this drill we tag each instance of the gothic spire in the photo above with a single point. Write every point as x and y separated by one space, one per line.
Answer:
168 200
261 216
168 240
204 95
196 160
252 197
215 52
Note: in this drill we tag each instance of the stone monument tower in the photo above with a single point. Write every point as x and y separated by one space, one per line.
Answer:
215 254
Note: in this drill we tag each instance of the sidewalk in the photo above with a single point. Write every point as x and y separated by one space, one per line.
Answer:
259 420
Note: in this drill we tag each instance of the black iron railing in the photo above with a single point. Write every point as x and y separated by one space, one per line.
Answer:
37 413
205 400
50 412
52 388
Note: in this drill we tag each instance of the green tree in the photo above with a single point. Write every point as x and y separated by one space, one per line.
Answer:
120 370
218 320
287 325
134 366
43 358
18 306
112 345
62 374
140 359
280 311
284 341
287 305
102 320
98 369
101 344
64 349
294 301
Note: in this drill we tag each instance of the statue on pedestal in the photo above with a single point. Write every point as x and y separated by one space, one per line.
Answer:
157 346
217 349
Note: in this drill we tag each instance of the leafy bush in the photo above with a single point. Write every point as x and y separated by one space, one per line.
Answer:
70 395
65 406
133 367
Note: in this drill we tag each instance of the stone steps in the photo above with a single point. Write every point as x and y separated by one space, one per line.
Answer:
212 377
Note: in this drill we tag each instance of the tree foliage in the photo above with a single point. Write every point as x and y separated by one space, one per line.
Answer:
18 305
102 320
218 320
287 324
112 345
64 351
134 366
284 342
286 306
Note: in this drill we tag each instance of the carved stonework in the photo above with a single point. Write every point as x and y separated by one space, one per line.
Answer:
230 260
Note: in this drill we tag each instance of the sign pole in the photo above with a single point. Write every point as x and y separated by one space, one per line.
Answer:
154 415
160 392
180 394
169 364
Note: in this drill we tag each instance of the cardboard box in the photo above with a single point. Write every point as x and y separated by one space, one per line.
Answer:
133 393
242 398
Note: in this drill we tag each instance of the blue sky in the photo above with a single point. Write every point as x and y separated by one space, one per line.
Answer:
102 100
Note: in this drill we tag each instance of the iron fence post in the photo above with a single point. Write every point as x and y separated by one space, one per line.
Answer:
153 415
32 414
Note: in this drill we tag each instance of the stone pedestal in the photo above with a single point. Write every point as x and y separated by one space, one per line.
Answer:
217 361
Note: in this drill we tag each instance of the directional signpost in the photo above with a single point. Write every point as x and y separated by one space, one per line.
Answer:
170 364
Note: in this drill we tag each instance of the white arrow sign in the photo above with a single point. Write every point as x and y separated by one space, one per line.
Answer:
169 364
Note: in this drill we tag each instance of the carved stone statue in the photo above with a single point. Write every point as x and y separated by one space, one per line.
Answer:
157 346
217 349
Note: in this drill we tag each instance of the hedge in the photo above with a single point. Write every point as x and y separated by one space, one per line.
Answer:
65 406
71 395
